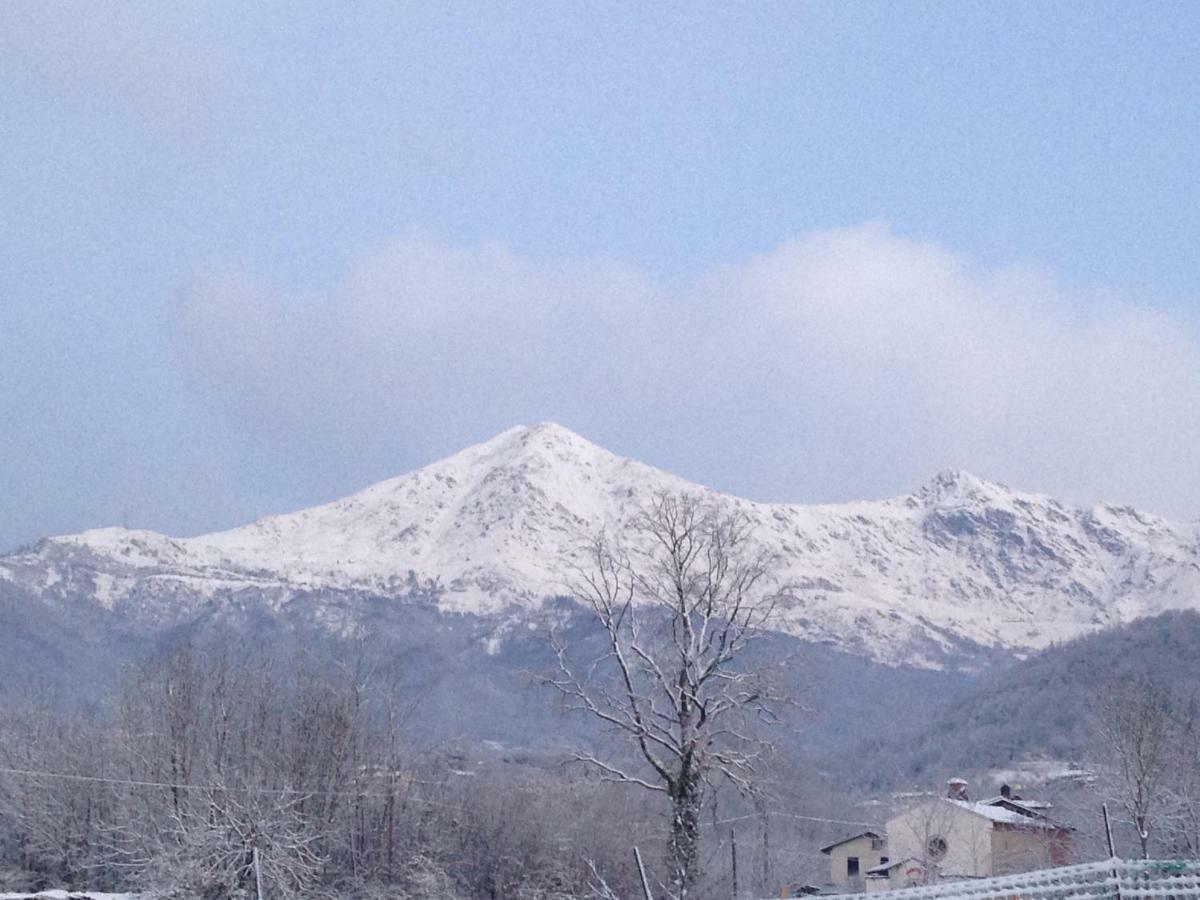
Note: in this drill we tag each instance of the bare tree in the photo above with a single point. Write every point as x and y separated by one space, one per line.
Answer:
678 610
1134 725
1181 813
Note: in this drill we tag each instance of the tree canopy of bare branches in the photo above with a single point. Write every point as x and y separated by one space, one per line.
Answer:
1136 724
224 768
678 606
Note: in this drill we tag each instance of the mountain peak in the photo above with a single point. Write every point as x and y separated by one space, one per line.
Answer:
958 484
552 429
551 434
542 436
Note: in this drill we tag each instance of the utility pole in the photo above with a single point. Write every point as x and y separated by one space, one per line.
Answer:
766 848
637 854
257 875
733 853
1112 850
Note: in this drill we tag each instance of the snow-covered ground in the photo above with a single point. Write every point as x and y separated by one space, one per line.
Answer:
1036 772
501 524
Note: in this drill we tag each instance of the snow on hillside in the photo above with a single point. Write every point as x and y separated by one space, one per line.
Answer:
958 563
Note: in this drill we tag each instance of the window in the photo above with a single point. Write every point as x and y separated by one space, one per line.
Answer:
883 860
936 847
876 843
851 866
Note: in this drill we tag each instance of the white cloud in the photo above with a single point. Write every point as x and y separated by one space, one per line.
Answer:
845 363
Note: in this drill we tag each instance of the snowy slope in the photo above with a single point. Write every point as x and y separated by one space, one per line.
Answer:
960 562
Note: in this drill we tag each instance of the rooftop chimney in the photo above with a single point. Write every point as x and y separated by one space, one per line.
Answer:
957 789
1005 792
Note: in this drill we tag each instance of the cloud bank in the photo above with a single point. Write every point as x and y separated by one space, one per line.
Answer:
847 363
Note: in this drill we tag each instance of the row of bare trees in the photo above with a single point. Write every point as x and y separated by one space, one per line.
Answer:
225 770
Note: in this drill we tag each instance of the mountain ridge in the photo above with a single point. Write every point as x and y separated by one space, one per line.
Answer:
957 568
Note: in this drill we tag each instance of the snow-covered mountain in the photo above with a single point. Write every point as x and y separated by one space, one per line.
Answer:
957 566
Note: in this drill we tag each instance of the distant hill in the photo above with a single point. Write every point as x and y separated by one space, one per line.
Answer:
1035 707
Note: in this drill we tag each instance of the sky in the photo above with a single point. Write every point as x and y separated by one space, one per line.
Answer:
258 256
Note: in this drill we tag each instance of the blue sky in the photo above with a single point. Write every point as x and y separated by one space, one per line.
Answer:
254 258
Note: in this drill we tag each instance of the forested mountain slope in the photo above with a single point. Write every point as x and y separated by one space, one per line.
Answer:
1039 706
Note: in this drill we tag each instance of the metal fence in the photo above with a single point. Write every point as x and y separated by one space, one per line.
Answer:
1113 879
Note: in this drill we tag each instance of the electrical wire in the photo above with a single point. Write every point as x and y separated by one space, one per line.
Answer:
212 788
294 792
792 816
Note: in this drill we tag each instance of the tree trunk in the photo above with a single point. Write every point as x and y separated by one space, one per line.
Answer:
684 846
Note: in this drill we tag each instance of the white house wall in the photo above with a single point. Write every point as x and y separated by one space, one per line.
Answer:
967 836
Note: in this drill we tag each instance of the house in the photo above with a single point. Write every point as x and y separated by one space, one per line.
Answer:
894 874
954 837
951 837
850 857
1017 803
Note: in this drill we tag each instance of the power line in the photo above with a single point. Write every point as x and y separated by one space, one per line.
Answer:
792 816
829 821
298 792
213 788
